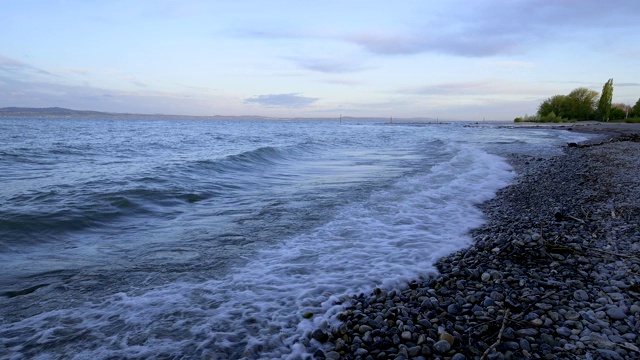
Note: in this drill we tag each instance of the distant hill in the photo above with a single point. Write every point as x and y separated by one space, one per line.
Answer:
49 112
63 113
58 112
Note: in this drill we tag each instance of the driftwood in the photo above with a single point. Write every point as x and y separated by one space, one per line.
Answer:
505 317
625 137
614 254
560 249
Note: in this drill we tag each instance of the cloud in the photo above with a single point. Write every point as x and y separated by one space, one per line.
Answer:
19 68
342 81
42 91
292 100
6 62
463 44
484 89
450 89
480 29
335 65
626 84
133 80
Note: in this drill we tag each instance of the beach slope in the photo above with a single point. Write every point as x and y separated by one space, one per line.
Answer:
554 272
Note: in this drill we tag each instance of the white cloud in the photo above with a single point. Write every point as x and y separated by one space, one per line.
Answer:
292 100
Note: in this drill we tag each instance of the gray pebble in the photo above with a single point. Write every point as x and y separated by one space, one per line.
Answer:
609 354
442 346
563 331
581 295
616 313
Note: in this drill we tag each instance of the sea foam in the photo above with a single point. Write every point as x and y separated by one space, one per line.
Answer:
256 311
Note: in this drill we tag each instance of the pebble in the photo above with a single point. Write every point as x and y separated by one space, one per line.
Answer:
581 295
616 313
543 259
563 331
442 346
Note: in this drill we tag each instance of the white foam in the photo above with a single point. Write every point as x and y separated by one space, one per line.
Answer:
393 237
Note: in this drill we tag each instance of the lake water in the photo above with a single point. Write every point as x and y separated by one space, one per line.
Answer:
159 238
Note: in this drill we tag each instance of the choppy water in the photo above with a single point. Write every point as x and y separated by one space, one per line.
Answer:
190 238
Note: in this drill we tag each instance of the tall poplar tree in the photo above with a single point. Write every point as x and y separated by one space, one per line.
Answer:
604 105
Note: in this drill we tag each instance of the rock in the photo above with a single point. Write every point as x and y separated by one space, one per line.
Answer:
361 352
488 302
609 354
537 322
485 277
414 351
426 304
580 295
332 355
320 335
563 331
447 337
616 313
458 356
527 332
364 328
442 346
452 309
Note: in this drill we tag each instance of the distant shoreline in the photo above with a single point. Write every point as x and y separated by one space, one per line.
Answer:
64 113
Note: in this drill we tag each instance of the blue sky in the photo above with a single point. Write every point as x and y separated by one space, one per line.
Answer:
449 59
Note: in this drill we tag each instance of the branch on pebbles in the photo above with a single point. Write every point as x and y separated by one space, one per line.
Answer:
526 310
629 346
614 254
555 248
575 218
626 137
505 317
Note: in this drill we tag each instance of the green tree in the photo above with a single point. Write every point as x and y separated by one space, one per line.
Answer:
604 104
556 104
582 103
636 109
617 114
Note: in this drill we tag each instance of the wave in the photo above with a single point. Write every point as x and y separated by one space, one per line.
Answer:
261 310
255 159
48 214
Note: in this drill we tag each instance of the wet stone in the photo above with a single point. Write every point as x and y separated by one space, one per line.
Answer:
580 295
563 331
616 313
442 346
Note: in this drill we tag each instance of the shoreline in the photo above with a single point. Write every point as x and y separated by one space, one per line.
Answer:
553 273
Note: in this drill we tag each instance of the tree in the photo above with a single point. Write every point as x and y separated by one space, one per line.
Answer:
620 109
636 109
604 104
617 114
556 104
582 103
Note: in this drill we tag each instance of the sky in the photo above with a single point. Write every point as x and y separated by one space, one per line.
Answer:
453 59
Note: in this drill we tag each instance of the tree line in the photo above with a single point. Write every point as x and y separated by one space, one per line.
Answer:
584 104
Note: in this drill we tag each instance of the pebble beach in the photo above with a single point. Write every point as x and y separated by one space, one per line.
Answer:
554 273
